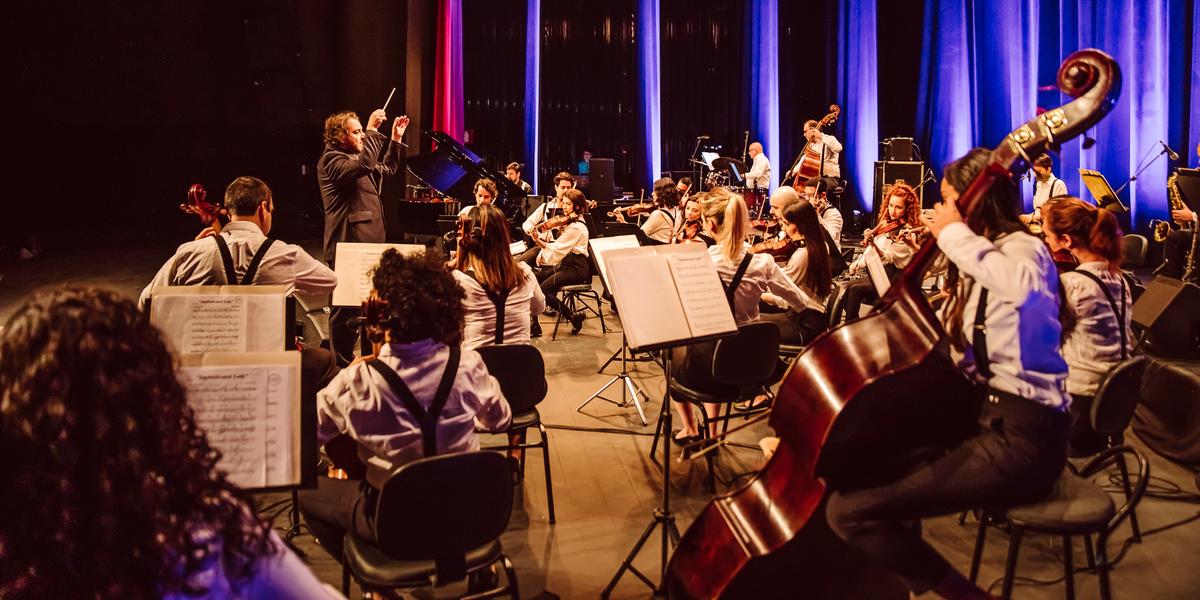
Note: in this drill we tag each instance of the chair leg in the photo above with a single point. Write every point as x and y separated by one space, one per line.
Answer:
549 482
1087 551
1010 564
1068 567
1102 564
977 555
345 578
1133 524
511 575
962 517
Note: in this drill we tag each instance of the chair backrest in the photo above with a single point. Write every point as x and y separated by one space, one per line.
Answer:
1118 396
837 294
1133 251
521 372
748 358
441 507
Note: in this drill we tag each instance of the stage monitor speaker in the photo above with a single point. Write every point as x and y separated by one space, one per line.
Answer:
888 171
897 148
1169 311
601 172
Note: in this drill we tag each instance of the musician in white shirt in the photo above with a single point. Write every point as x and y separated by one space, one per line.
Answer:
815 191
759 175
664 220
562 182
485 194
1005 281
1045 187
564 261
827 146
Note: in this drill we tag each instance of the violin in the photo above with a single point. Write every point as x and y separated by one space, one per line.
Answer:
197 204
860 406
884 229
553 223
632 210
689 231
780 249
768 226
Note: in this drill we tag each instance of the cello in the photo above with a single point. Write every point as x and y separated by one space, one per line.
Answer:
810 160
862 405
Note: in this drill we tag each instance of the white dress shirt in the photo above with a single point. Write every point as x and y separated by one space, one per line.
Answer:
537 216
1045 190
796 268
573 239
762 276
480 314
1022 312
1094 345
893 250
199 263
351 404
661 224
832 149
759 175
832 220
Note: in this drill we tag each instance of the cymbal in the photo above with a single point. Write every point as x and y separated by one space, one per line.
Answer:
726 162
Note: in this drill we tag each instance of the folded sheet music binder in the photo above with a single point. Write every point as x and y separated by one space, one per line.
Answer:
353 263
668 295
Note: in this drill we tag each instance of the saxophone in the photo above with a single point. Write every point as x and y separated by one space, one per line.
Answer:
1161 228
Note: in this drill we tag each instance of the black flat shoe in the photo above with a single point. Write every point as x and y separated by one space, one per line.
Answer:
576 322
683 441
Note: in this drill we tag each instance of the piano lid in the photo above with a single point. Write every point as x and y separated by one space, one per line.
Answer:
452 169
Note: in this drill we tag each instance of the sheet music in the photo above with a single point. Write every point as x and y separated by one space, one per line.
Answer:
198 319
517 247
353 265
875 270
701 294
250 413
602 245
645 293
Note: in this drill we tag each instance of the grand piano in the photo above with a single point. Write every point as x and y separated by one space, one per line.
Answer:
451 170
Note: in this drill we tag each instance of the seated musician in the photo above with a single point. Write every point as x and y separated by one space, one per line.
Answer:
684 185
894 244
746 277
1177 246
562 182
370 404
1005 280
564 261
816 192
111 489
485 194
691 230
809 267
1045 187
513 173
256 260
501 294
660 226
1096 332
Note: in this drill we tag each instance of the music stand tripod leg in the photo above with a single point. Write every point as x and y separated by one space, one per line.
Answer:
662 515
629 390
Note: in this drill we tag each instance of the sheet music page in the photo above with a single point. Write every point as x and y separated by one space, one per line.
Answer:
250 412
876 271
602 245
517 247
353 265
226 318
646 297
700 293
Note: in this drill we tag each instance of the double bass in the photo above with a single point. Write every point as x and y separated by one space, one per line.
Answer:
810 160
861 406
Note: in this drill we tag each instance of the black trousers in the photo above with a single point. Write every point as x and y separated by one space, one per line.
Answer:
1016 457
1084 440
573 270
858 292
1175 251
317 369
798 327
336 507
343 330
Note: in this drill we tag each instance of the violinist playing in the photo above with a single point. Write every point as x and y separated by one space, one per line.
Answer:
1003 279
564 261
808 265
664 218
895 237
692 229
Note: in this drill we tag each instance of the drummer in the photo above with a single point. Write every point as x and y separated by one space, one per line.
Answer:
759 175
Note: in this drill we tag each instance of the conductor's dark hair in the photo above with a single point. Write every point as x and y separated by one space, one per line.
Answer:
423 300
244 194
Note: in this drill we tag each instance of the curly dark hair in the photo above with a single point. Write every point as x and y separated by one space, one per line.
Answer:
423 300
109 479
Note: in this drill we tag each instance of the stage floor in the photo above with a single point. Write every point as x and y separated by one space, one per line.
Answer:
606 487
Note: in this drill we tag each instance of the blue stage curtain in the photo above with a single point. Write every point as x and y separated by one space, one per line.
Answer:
1191 112
764 81
533 89
984 60
648 42
858 90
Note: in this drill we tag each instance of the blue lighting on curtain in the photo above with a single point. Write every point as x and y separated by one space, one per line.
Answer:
764 80
533 89
983 63
648 42
1193 140
858 91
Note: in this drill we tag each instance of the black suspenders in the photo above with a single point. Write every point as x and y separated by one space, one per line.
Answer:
227 260
498 300
737 279
1119 313
427 420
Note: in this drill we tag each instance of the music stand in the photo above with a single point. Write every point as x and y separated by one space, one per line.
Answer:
1103 193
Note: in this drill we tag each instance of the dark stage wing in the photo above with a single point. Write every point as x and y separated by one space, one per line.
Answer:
452 170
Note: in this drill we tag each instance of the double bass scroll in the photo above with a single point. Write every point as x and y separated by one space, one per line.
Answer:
859 405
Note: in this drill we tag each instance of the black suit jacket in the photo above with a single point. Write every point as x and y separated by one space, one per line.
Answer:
350 187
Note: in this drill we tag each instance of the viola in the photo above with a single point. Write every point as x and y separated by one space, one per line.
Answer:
860 406
781 248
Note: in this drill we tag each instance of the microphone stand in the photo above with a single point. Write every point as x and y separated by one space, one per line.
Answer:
1141 168
696 175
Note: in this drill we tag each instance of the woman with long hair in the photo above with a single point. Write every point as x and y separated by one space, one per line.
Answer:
1003 279
564 261
891 240
728 220
501 294
1097 299
810 268
111 490
664 220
